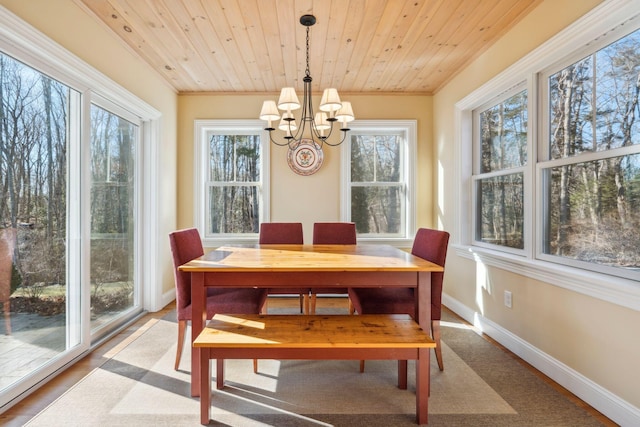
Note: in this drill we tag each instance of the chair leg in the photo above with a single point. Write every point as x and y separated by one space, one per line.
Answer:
435 333
306 303
312 309
361 366
255 366
182 325
301 303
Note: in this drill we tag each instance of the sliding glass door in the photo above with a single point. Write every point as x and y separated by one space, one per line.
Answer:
69 270
40 322
112 212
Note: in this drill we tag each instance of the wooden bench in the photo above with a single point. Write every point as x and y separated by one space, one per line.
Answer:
318 337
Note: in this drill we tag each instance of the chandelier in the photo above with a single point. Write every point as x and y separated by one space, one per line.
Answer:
318 128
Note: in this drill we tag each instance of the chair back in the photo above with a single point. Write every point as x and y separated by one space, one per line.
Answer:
186 245
334 233
432 246
281 233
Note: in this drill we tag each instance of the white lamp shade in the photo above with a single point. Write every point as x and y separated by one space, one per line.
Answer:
288 99
287 124
330 100
269 111
321 121
345 114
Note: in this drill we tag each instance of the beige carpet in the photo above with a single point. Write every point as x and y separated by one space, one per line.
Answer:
138 386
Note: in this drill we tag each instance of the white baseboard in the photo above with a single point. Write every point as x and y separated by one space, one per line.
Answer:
167 298
612 406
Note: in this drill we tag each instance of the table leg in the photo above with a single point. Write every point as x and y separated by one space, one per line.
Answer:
198 319
423 300
402 374
205 385
422 385
219 374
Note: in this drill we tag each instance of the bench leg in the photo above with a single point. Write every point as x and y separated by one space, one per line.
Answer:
402 374
205 386
422 385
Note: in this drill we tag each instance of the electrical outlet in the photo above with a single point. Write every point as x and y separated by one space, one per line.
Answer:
507 299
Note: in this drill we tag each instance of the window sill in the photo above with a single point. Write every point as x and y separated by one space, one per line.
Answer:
616 290
398 242
214 242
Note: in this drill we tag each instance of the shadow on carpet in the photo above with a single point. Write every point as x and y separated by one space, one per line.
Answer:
480 386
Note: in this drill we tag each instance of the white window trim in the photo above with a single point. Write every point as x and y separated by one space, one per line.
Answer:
410 128
201 127
598 22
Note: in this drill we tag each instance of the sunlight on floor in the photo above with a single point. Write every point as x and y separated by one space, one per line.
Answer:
234 394
455 325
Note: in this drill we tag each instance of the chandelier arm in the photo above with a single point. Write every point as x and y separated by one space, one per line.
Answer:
281 144
344 136
308 104
325 137
298 132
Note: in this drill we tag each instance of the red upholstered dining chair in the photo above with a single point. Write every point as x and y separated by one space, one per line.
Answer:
186 246
430 245
285 233
332 233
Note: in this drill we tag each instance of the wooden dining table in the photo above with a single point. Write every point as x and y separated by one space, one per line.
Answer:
290 266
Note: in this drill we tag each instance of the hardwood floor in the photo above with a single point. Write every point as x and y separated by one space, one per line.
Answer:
30 406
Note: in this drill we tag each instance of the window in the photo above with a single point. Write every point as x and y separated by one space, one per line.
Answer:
232 172
379 179
561 204
590 166
501 132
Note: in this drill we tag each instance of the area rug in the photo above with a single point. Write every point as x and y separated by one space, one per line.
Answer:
480 386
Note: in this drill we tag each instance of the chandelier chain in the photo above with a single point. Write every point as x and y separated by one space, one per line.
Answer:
307 72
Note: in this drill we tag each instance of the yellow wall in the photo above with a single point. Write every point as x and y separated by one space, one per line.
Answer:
64 22
306 199
596 338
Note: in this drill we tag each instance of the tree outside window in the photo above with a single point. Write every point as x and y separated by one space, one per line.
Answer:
232 180
499 189
380 179
234 173
592 166
113 202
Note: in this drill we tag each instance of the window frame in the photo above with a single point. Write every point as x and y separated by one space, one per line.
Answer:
478 176
138 165
202 128
409 154
546 162
603 24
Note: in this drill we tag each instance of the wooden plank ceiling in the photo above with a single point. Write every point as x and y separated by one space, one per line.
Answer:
357 46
